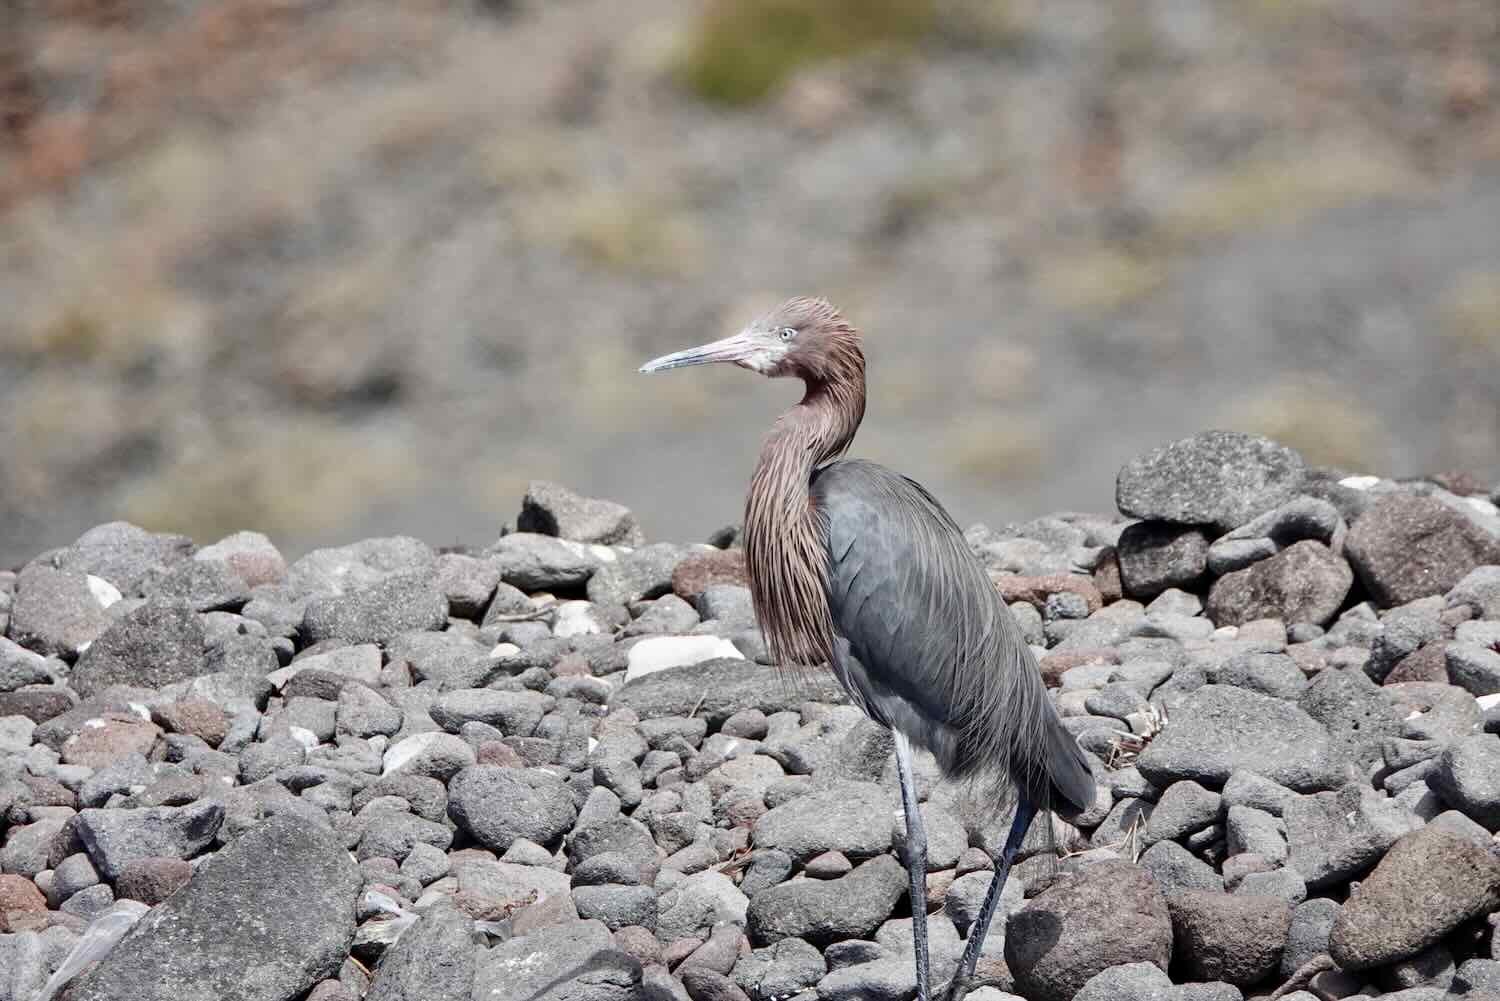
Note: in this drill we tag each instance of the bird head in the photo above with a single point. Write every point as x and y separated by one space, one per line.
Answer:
802 337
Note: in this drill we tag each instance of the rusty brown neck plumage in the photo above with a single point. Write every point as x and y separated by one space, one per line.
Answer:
785 550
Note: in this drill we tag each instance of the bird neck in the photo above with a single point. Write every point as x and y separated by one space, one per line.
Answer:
785 548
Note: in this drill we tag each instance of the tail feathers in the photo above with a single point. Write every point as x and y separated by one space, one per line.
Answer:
1068 768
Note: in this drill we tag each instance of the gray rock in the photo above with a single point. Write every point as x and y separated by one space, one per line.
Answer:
767 868
1468 778
363 712
1062 939
392 835
553 509
697 903
638 575
1157 555
72 874
1477 977
515 714
1335 836
1175 868
533 562
779 970
1273 674
20 667
24 966
425 863
497 805
1128 982
568 962
1284 884
123 554
889 978
1236 938
1407 546
434 960
1246 788
1479 591
1185 807
89 902
167 956
617 906
826 910
435 755
54 613
1220 729
507 883
966 895
1307 937
115 838
467 582
1299 518
1305 582
130 771
203 585
1222 478
1428 884
1473 667
1358 714
849 817
719 688
616 835
1247 829
378 612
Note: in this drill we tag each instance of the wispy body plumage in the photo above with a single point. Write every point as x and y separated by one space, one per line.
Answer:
856 566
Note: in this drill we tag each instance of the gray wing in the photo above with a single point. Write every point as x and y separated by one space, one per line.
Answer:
931 648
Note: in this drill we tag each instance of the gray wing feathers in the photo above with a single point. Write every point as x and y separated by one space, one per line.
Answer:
932 650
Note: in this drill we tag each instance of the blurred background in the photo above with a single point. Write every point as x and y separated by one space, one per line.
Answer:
329 268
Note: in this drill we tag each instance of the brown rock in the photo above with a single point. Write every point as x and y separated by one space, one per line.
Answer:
1406 547
119 735
699 571
17 893
1237 938
676 951
198 717
38 703
152 880
1305 582
1427 663
1430 882
49 792
493 752
1063 936
1035 589
1054 665
633 940
1107 578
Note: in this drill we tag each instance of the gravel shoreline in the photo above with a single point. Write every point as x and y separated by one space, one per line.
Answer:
560 767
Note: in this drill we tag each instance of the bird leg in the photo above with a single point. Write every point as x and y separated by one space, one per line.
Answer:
1018 828
916 860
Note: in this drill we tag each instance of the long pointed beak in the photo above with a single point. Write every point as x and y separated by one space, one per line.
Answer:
730 349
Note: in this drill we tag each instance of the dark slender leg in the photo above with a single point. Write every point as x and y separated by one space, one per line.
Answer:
916 861
1018 827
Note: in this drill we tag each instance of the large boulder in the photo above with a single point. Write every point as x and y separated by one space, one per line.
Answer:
1220 478
1222 729
1407 546
1107 914
231 932
1429 883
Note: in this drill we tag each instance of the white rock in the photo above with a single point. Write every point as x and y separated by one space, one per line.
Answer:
303 736
1359 482
661 652
575 618
503 650
103 591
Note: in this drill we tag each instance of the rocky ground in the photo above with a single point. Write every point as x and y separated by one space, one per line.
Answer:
558 767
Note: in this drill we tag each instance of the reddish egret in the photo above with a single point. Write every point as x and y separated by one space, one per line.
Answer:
859 567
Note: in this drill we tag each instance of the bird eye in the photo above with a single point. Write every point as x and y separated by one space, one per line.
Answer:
786 333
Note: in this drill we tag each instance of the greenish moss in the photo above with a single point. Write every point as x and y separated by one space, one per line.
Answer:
742 50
